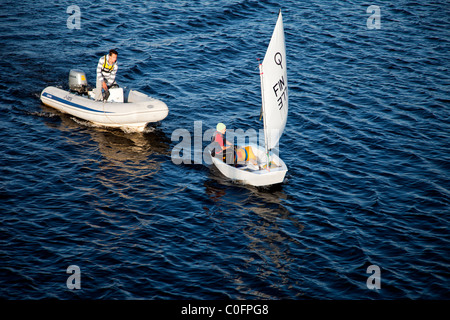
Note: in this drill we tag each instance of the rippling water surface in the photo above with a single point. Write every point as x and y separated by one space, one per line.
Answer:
366 144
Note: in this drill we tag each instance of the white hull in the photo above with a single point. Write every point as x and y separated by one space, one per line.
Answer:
259 177
133 115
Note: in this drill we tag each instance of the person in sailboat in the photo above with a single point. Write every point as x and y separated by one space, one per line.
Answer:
223 148
106 75
229 153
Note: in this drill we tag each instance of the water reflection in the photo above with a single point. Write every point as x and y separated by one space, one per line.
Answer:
114 144
124 164
270 233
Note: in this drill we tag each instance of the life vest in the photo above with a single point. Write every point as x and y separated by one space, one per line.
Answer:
217 150
243 154
213 139
106 67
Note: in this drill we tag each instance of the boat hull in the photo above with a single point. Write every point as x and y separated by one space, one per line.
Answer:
132 115
257 178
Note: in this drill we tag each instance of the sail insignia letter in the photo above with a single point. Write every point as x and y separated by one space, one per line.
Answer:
280 92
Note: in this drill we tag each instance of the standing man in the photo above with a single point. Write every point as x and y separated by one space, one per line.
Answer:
106 74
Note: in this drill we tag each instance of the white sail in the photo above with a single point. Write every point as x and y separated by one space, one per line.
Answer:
274 87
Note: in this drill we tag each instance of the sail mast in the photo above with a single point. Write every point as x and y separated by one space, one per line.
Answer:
266 137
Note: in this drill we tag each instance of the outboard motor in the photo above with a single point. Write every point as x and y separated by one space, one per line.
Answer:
77 81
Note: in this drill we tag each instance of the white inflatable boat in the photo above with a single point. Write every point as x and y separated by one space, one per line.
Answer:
126 109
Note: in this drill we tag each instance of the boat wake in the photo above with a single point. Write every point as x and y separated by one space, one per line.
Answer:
86 123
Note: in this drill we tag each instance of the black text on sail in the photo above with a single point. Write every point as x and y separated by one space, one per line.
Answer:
280 92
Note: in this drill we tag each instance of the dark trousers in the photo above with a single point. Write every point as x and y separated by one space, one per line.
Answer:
226 155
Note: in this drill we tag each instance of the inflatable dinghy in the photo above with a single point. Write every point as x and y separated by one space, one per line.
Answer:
127 109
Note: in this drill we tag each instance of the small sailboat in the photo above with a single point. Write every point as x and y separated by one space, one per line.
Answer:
259 166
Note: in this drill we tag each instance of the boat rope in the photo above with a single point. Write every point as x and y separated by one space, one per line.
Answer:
260 74
106 114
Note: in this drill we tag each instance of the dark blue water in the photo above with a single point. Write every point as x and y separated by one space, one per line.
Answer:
366 144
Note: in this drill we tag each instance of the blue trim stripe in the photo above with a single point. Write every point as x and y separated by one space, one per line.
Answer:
76 105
